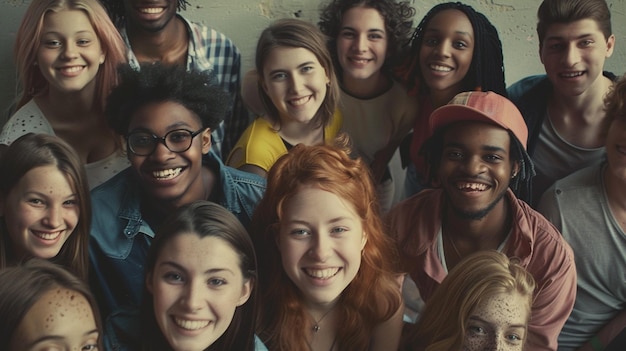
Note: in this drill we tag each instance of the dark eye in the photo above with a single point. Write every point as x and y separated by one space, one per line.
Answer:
173 278
178 136
454 155
430 41
83 42
460 45
141 139
216 282
347 35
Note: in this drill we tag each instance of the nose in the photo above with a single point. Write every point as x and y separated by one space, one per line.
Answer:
296 83
442 48
572 55
474 165
69 51
54 217
321 248
161 152
193 297
360 43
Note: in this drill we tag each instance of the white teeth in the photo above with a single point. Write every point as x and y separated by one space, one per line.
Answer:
190 325
47 236
72 69
322 273
439 68
167 173
572 75
360 60
151 10
300 101
472 186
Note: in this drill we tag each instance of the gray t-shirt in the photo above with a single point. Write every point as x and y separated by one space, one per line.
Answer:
555 158
578 206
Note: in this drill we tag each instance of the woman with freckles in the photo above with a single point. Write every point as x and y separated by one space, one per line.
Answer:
44 307
66 53
45 210
298 91
483 304
326 270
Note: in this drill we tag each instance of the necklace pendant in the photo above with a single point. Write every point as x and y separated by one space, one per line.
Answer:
316 328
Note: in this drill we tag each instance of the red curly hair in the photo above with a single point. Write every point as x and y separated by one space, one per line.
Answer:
371 298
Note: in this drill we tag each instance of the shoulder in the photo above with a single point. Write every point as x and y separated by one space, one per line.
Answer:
28 119
421 210
261 145
110 195
525 85
209 36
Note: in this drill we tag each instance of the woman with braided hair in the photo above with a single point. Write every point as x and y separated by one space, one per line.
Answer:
453 49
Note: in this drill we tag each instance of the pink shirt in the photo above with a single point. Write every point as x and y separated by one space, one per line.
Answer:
416 222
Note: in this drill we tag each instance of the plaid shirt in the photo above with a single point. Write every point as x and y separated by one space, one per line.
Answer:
210 50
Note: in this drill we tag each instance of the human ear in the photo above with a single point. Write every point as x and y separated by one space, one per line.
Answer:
363 240
246 290
610 45
206 141
515 169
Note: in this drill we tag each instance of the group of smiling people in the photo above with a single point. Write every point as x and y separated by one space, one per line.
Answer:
142 209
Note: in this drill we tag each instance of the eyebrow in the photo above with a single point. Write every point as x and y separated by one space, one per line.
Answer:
369 30
40 194
334 220
557 37
476 318
484 147
56 338
456 32
299 66
208 271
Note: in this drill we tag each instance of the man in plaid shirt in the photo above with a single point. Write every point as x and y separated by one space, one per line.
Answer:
154 32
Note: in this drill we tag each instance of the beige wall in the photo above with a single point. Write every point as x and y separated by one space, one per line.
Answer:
242 21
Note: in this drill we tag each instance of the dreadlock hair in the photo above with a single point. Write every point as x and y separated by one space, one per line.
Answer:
487 69
521 184
398 17
117 12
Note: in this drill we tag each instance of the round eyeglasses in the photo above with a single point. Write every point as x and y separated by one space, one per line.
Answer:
143 143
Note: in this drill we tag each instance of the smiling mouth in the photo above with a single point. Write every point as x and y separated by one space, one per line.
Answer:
300 101
151 10
166 174
321 273
46 235
70 70
440 68
464 186
360 60
572 74
191 325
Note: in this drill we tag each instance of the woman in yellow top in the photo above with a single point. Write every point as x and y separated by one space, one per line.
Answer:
299 92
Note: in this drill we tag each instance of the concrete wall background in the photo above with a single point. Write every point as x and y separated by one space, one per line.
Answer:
243 20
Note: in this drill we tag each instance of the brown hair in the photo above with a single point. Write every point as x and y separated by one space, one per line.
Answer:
295 33
567 11
36 150
206 219
22 286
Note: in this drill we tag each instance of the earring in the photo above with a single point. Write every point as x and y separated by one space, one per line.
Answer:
513 175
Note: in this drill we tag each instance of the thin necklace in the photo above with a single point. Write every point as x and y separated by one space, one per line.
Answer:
316 326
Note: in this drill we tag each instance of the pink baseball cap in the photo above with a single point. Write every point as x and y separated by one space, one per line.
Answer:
481 106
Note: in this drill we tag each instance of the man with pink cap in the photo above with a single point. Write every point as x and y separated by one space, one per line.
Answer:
477 159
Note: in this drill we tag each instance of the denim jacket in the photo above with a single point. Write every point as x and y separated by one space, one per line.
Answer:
120 237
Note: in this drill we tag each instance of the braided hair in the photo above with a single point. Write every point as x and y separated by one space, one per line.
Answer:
521 184
117 12
486 72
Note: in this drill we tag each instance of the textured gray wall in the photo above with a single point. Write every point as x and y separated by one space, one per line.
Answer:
242 21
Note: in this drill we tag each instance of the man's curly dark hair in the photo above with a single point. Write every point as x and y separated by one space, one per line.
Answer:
195 90
117 12
398 16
